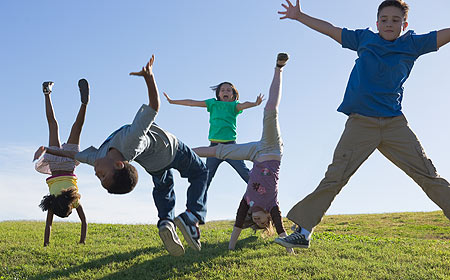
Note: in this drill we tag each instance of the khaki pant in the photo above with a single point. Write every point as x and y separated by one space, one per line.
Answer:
270 143
362 135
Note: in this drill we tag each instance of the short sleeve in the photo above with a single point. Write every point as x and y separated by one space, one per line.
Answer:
235 109
425 43
209 103
88 156
352 38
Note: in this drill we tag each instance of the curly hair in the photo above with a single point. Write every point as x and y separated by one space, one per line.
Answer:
61 205
216 88
125 180
395 3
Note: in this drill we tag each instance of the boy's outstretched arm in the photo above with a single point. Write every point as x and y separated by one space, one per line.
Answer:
186 102
295 13
443 37
147 73
247 104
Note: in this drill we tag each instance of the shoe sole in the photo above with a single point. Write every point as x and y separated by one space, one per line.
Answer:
170 244
183 227
289 245
84 90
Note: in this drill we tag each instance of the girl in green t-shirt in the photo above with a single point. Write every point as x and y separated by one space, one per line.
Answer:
223 111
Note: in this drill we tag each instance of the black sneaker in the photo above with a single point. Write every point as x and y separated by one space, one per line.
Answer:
190 231
47 87
295 240
84 91
282 59
169 237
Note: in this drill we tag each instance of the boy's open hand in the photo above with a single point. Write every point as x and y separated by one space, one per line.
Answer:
40 151
292 12
146 70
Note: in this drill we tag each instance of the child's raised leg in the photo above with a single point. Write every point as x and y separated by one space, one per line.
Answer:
53 139
275 86
75 132
271 142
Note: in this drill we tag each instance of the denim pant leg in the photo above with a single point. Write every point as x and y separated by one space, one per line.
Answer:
212 163
240 168
238 165
164 194
192 167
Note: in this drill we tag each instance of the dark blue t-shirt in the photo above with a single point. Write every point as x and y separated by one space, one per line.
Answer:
375 86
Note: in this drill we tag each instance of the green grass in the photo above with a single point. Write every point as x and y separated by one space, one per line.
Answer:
380 246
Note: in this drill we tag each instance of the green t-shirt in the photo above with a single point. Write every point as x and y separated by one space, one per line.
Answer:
222 120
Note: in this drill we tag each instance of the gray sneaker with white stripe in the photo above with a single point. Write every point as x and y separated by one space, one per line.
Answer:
294 240
190 230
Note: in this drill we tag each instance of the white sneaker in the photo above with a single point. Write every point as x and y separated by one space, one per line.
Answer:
169 237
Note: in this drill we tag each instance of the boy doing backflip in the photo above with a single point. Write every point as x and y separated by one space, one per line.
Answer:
158 152
372 102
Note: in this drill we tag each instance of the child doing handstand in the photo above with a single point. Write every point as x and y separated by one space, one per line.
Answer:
223 110
62 183
261 197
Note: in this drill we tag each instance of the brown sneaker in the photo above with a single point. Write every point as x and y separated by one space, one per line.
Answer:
47 87
282 59
84 91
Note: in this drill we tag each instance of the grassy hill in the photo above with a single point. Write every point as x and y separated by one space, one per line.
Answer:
376 246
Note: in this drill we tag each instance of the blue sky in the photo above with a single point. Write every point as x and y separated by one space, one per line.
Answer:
198 44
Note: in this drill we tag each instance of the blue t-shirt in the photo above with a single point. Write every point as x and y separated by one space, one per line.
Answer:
375 86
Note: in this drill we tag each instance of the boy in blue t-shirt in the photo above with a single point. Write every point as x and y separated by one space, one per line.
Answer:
372 101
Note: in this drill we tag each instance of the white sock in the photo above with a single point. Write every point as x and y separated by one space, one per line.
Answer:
306 233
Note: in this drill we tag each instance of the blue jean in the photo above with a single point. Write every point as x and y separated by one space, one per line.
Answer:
191 167
213 163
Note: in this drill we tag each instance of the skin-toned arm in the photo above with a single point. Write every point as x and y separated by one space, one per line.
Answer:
326 28
147 73
247 104
48 227
83 224
443 37
234 237
41 150
186 102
